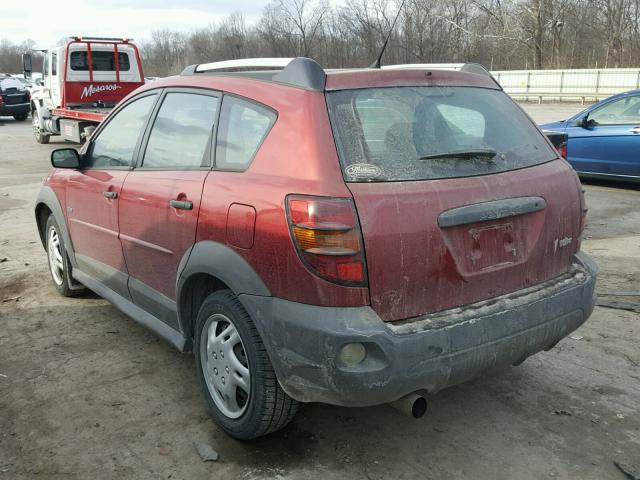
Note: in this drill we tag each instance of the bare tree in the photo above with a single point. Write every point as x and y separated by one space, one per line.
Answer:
11 56
501 34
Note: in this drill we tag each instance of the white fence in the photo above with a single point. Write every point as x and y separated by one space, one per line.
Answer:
574 84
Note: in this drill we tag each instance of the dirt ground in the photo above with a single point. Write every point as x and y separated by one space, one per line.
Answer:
86 393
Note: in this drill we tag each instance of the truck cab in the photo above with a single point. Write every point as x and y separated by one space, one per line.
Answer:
82 81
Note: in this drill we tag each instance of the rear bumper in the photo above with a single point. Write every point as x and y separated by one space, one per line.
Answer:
10 110
426 353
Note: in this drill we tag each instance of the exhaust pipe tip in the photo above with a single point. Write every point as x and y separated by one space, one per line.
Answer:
412 405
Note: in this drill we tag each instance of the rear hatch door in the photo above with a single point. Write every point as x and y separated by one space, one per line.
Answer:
460 197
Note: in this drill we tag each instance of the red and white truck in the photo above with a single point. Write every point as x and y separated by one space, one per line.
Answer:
82 81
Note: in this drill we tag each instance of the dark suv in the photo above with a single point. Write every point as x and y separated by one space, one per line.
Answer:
14 98
350 237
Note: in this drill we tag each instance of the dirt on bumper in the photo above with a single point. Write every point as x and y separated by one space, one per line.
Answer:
425 353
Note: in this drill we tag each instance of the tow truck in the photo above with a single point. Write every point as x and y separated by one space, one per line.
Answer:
82 81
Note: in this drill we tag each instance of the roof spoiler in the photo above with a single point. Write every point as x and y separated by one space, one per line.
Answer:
299 72
469 67
462 67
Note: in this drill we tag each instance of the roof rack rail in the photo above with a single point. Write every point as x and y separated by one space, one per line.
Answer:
244 64
300 71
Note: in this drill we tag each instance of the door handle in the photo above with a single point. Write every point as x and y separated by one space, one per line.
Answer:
110 194
181 204
635 130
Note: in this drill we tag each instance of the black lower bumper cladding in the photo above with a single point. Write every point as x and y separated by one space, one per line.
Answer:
426 353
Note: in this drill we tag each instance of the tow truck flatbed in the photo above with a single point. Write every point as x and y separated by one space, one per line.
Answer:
82 82
88 114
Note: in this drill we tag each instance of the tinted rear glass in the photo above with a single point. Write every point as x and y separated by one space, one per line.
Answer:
384 134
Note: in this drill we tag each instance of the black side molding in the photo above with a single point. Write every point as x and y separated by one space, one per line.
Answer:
222 262
132 310
48 198
494 210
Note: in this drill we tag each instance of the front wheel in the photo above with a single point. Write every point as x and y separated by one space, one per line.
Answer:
236 375
21 117
59 264
37 131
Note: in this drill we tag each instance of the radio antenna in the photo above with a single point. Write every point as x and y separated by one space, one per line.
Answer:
376 64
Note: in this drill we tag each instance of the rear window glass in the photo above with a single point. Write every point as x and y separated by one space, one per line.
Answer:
100 60
420 133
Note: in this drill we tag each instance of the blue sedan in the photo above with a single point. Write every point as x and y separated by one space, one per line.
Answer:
604 139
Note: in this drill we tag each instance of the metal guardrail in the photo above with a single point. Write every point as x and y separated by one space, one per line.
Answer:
559 97
569 84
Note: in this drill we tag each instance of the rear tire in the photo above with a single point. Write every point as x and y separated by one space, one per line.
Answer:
37 131
223 326
59 264
21 117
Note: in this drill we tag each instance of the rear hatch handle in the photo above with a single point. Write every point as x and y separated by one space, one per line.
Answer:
181 204
493 210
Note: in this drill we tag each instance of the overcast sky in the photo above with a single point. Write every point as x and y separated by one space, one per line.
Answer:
48 21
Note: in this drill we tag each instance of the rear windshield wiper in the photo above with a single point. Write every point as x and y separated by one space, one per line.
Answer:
480 153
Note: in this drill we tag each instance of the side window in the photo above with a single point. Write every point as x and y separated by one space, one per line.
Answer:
243 127
181 131
54 64
116 143
619 112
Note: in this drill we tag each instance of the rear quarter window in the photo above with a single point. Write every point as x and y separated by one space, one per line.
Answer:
243 127
421 133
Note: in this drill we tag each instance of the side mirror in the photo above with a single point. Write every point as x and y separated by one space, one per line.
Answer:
586 122
65 158
27 65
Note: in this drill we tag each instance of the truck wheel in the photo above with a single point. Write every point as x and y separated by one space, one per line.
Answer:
21 117
37 131
236 375
59 264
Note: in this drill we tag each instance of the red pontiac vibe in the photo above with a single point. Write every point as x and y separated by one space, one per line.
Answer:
351 237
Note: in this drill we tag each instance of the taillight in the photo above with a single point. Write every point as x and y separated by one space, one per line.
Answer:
327 236
562 150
